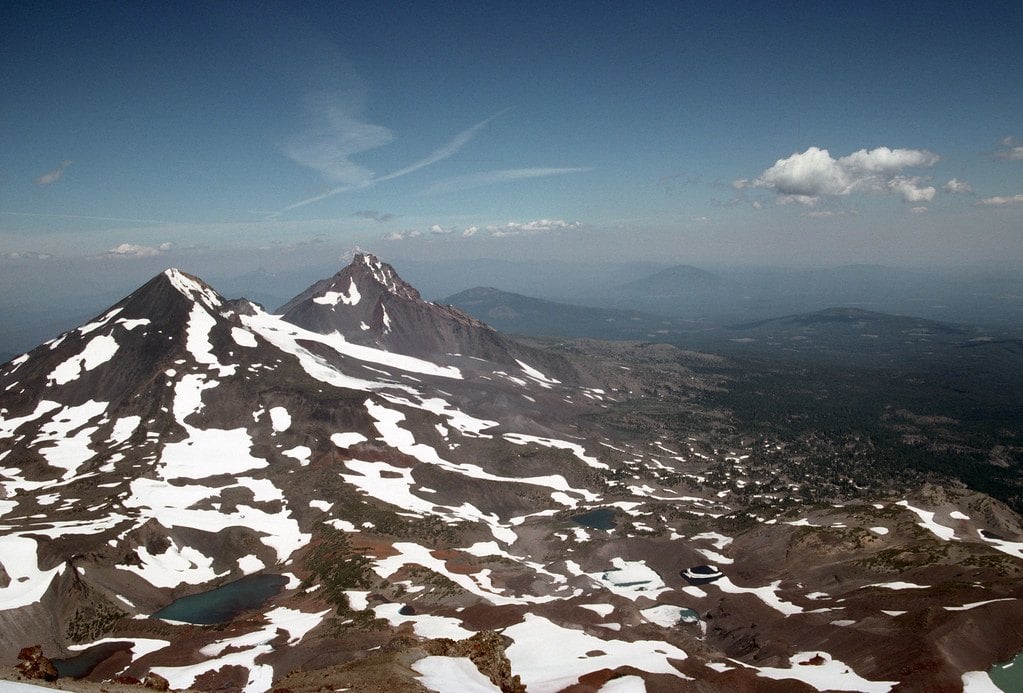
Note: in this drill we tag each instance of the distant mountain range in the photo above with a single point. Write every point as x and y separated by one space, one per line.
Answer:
525 315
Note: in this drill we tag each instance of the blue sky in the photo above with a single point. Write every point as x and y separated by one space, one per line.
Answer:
237 135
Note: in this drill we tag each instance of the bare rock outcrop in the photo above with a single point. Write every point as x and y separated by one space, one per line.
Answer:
33 665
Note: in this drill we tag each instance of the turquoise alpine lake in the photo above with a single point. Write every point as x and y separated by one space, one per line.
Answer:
225 602
1008 676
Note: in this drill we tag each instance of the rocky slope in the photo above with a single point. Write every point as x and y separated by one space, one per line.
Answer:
426 500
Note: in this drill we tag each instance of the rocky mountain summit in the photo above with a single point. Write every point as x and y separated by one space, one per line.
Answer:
370 491
370 304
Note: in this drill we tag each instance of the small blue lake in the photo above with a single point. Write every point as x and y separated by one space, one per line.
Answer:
601 518
225 602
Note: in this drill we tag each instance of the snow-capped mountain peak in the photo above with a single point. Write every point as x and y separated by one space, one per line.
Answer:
193 288
369 304
383 274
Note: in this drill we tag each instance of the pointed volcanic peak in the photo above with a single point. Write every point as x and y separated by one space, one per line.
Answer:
369 304
169 319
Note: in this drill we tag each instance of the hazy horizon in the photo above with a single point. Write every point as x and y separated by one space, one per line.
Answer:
233 136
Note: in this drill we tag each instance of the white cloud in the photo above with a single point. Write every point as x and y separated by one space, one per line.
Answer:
805 177
911 190
513 228
132 250
479 180
885 160
53 176
958 186
1002 200
918 210
1012 149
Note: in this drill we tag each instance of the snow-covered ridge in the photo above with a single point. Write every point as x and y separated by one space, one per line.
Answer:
287 336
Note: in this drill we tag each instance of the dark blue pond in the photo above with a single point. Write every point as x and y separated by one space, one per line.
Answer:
601 518
84 662
223 603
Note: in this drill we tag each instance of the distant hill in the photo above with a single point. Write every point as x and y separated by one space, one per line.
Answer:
519 314
856 319
679 280
853 334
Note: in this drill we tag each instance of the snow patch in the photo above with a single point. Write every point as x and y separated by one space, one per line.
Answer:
545 669
452 674
99 350
28 584
821 671
332 298
927 522
347 440
243 338
280 419
174 566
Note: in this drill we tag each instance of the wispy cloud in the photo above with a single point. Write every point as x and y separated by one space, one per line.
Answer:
1012 149
335 136
55 175
329 151
461 139
84 217
374 215
478 180
402 235
27 255
805 177
1002 200
957 186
